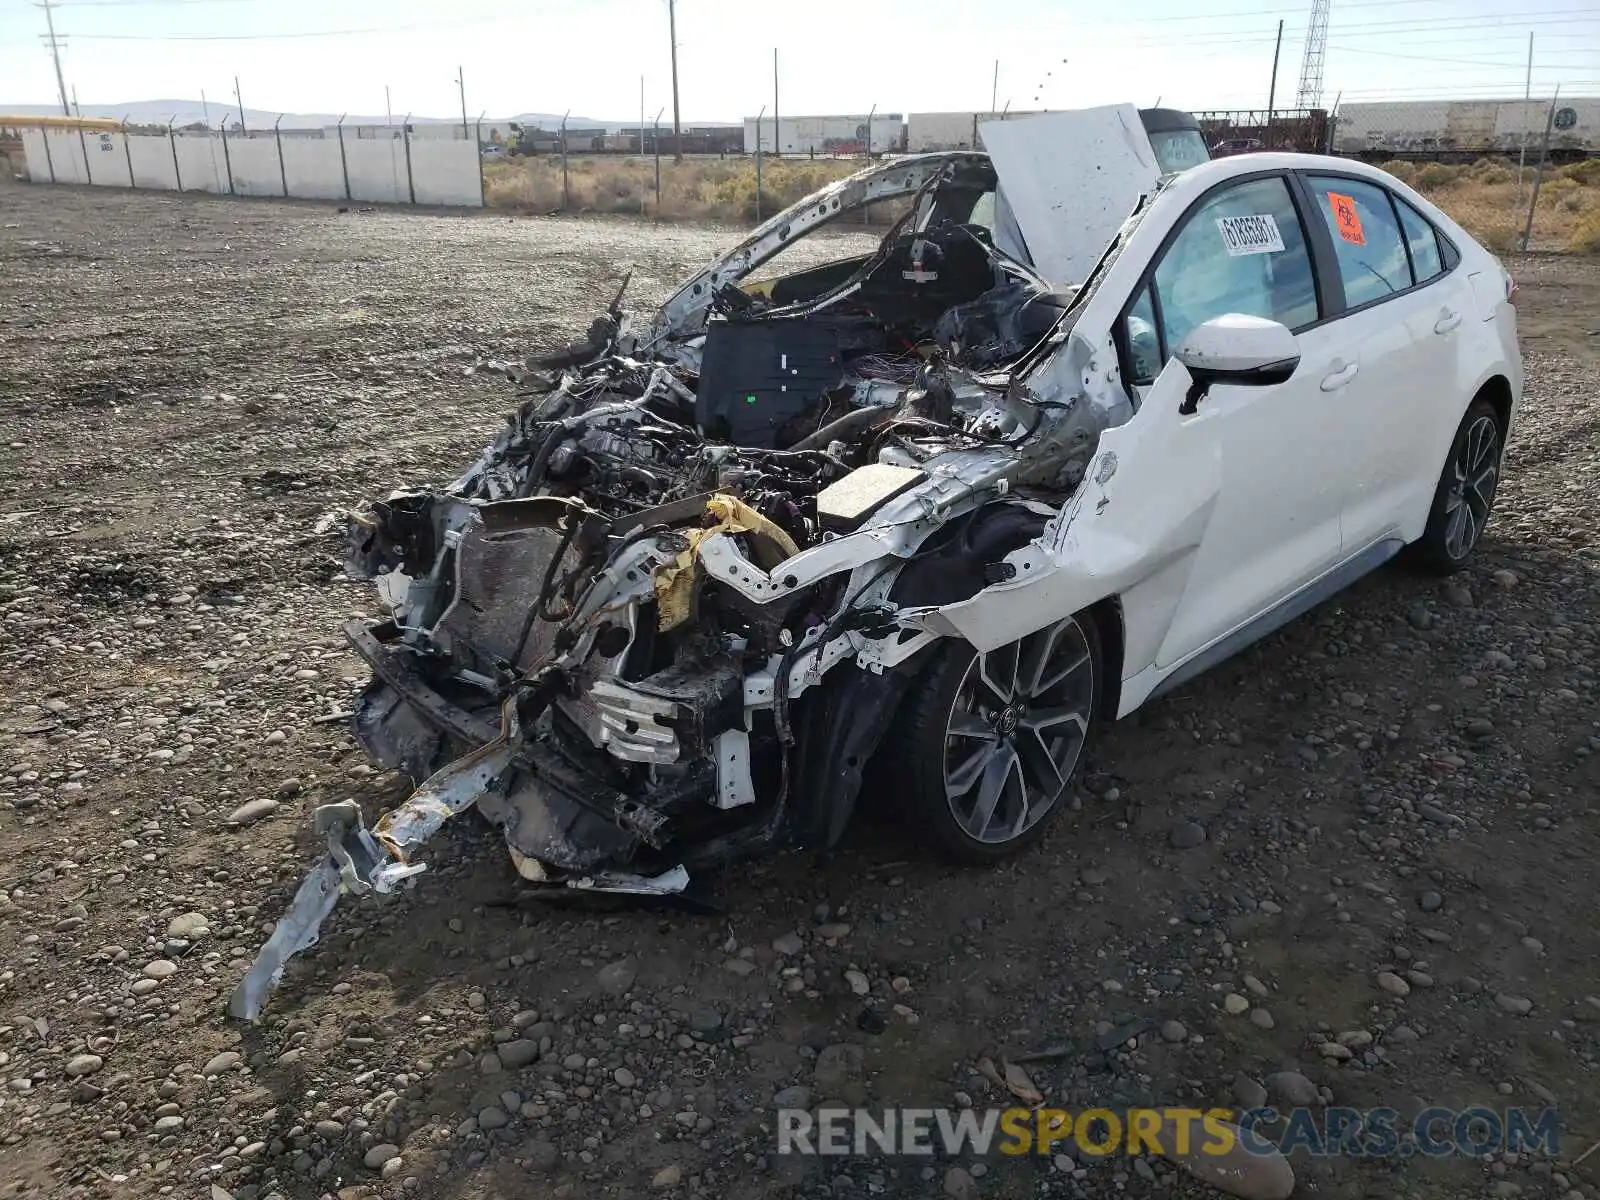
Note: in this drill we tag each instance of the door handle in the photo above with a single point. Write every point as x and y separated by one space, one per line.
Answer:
1447 321
1341 376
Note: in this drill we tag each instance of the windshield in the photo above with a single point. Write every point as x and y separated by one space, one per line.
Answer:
1178 149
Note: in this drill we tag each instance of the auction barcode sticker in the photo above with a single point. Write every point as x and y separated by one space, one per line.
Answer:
1258 234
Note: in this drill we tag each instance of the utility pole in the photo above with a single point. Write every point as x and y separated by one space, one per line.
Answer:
55 53
777 132
461 82
994 90
1527 97
76 110
1272 89
641 121
677 127
240 99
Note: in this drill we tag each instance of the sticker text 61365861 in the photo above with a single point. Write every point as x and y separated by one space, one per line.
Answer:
1255 234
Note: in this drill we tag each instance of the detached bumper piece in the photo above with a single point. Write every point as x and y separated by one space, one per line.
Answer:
361 861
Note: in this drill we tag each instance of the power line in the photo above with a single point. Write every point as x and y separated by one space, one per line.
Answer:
1469 62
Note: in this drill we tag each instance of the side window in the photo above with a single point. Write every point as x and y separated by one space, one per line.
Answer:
1423 242
1241 251
1144 343
1366 238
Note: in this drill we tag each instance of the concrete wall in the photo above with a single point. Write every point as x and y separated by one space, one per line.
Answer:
442 172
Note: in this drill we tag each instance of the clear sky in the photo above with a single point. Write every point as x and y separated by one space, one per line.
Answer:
834 55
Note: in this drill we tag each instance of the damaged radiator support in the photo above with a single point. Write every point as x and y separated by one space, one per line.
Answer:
360 860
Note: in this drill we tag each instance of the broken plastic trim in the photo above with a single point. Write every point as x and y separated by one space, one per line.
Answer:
359 861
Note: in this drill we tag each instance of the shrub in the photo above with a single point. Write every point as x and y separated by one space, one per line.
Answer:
1586 172
1438 175
1585 236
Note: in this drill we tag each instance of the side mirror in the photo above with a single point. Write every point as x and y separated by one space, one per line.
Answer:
1239 349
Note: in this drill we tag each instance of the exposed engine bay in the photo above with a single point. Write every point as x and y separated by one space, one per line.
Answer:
665 619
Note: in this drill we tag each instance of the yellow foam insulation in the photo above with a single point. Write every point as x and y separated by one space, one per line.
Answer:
674 582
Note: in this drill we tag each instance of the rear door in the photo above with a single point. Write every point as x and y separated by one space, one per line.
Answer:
1404 313
1242 248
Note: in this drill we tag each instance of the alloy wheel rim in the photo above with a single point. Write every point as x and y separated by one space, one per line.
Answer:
1016 731
1475 469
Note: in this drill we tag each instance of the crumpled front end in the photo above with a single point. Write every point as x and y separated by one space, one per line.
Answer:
665 619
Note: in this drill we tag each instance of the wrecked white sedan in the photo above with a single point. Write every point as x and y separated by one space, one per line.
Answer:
933 512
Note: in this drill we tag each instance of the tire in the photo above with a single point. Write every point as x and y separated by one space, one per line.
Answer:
1039 738
1465 496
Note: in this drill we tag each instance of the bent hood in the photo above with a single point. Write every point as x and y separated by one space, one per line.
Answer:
1068 180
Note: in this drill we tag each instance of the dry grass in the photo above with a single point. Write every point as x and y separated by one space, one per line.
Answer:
694 190
1484 197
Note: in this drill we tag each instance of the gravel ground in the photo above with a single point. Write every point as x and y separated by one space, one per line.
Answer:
1354 864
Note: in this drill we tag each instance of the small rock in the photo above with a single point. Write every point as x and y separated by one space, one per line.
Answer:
1248 1093
1293 1088
1430 902
859 983
1261 1018
1186 835
493 1117
1173 1031
253 811
615 978
1235 1004
1239 1172
794 1096
1504 578
670 1175
515 1055
84 1064
226 1061
833 932
160 968
624 1077
959 1183
1393 984
380 1154
189 926
1516 1005
788 944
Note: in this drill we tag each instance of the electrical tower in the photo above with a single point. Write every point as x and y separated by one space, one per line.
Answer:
1310 93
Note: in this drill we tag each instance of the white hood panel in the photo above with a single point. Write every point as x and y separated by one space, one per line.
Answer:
1069 181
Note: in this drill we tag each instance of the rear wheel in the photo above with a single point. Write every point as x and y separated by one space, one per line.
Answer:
993 741
1465 496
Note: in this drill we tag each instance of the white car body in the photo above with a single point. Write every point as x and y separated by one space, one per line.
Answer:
1123 495
1213 529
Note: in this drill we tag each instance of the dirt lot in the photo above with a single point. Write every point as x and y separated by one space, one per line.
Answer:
1404 781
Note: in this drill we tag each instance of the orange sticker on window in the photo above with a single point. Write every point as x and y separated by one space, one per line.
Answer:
1345 218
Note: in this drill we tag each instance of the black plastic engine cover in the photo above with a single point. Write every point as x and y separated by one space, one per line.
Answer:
758 376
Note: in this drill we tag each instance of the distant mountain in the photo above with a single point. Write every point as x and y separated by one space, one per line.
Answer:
215 112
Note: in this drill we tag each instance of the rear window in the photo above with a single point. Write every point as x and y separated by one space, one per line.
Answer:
1427 262
1366 238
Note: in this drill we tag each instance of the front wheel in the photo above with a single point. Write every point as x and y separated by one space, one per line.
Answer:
992 742
1465 495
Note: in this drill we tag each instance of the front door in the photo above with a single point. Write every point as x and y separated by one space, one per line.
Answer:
1275 523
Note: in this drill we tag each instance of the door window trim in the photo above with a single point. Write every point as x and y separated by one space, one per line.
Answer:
1298 197
1449 256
